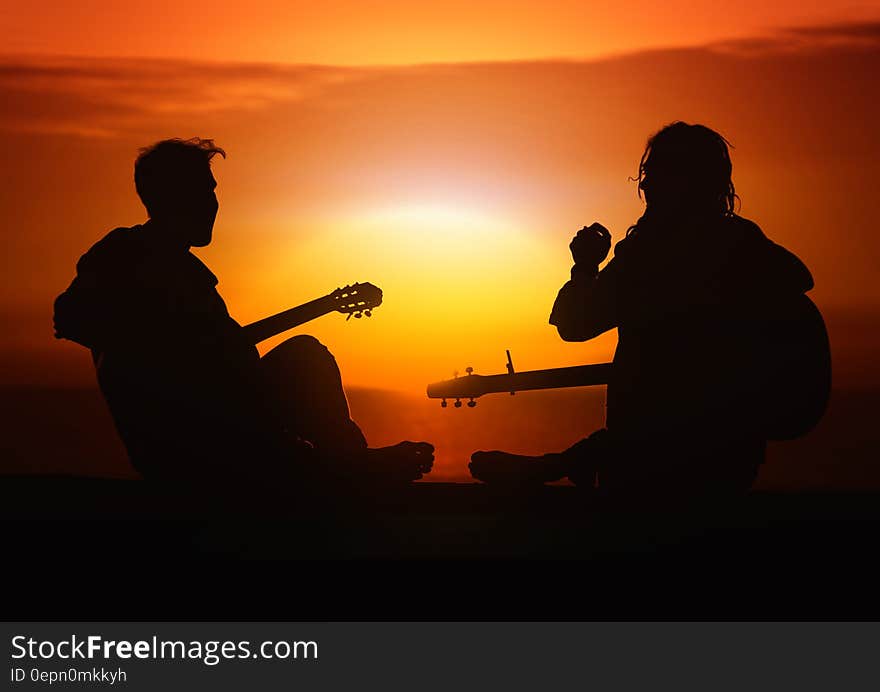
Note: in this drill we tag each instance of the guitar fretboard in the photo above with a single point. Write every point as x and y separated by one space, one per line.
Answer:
276 324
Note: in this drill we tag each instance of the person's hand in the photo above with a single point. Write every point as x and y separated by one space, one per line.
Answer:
590 246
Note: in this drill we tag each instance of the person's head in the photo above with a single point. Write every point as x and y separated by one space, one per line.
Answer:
173 178
686 170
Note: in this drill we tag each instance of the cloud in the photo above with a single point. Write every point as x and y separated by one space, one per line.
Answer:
849 32
102 98
848 35
105 98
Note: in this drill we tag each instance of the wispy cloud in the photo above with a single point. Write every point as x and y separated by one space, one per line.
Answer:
848 35
103 98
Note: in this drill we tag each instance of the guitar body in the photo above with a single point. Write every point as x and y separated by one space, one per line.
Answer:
795 378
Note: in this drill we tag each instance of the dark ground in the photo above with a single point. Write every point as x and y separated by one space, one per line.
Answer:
803 546
97 549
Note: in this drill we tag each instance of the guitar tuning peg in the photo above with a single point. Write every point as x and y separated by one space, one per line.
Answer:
368 313
358 315
457 403
443 404
469 370
472 403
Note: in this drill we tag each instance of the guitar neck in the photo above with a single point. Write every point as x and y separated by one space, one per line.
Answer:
472 386
276 324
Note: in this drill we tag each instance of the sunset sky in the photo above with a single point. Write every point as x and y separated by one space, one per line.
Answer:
398 32
445 151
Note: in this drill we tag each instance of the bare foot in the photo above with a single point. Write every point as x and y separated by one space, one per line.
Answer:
404 462
503 468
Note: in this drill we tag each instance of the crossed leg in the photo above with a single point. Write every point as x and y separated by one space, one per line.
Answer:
579 463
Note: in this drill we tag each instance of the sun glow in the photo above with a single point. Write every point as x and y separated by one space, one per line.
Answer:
457 241
460 282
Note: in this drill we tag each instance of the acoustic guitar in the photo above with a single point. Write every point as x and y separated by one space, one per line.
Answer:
785 375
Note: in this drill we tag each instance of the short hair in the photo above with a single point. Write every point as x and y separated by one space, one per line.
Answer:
163 168
696 152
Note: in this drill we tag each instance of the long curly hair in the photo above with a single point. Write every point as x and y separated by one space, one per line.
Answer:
695 153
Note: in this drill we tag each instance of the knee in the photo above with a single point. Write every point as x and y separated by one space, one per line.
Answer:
303 343
303 348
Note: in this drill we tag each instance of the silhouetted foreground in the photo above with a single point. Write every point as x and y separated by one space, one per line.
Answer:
440 520
770 556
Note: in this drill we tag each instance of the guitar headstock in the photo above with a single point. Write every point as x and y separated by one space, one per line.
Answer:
469 387
357 299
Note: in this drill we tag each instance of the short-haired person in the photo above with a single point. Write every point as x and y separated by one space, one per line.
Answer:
189 394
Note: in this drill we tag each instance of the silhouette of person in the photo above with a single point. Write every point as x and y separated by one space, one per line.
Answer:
191 398
698 295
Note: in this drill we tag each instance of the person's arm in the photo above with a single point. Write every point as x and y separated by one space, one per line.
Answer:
585 305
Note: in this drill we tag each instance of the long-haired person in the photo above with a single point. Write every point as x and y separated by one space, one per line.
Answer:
718 349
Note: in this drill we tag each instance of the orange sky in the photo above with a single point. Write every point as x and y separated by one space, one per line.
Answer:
393 31
455 187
